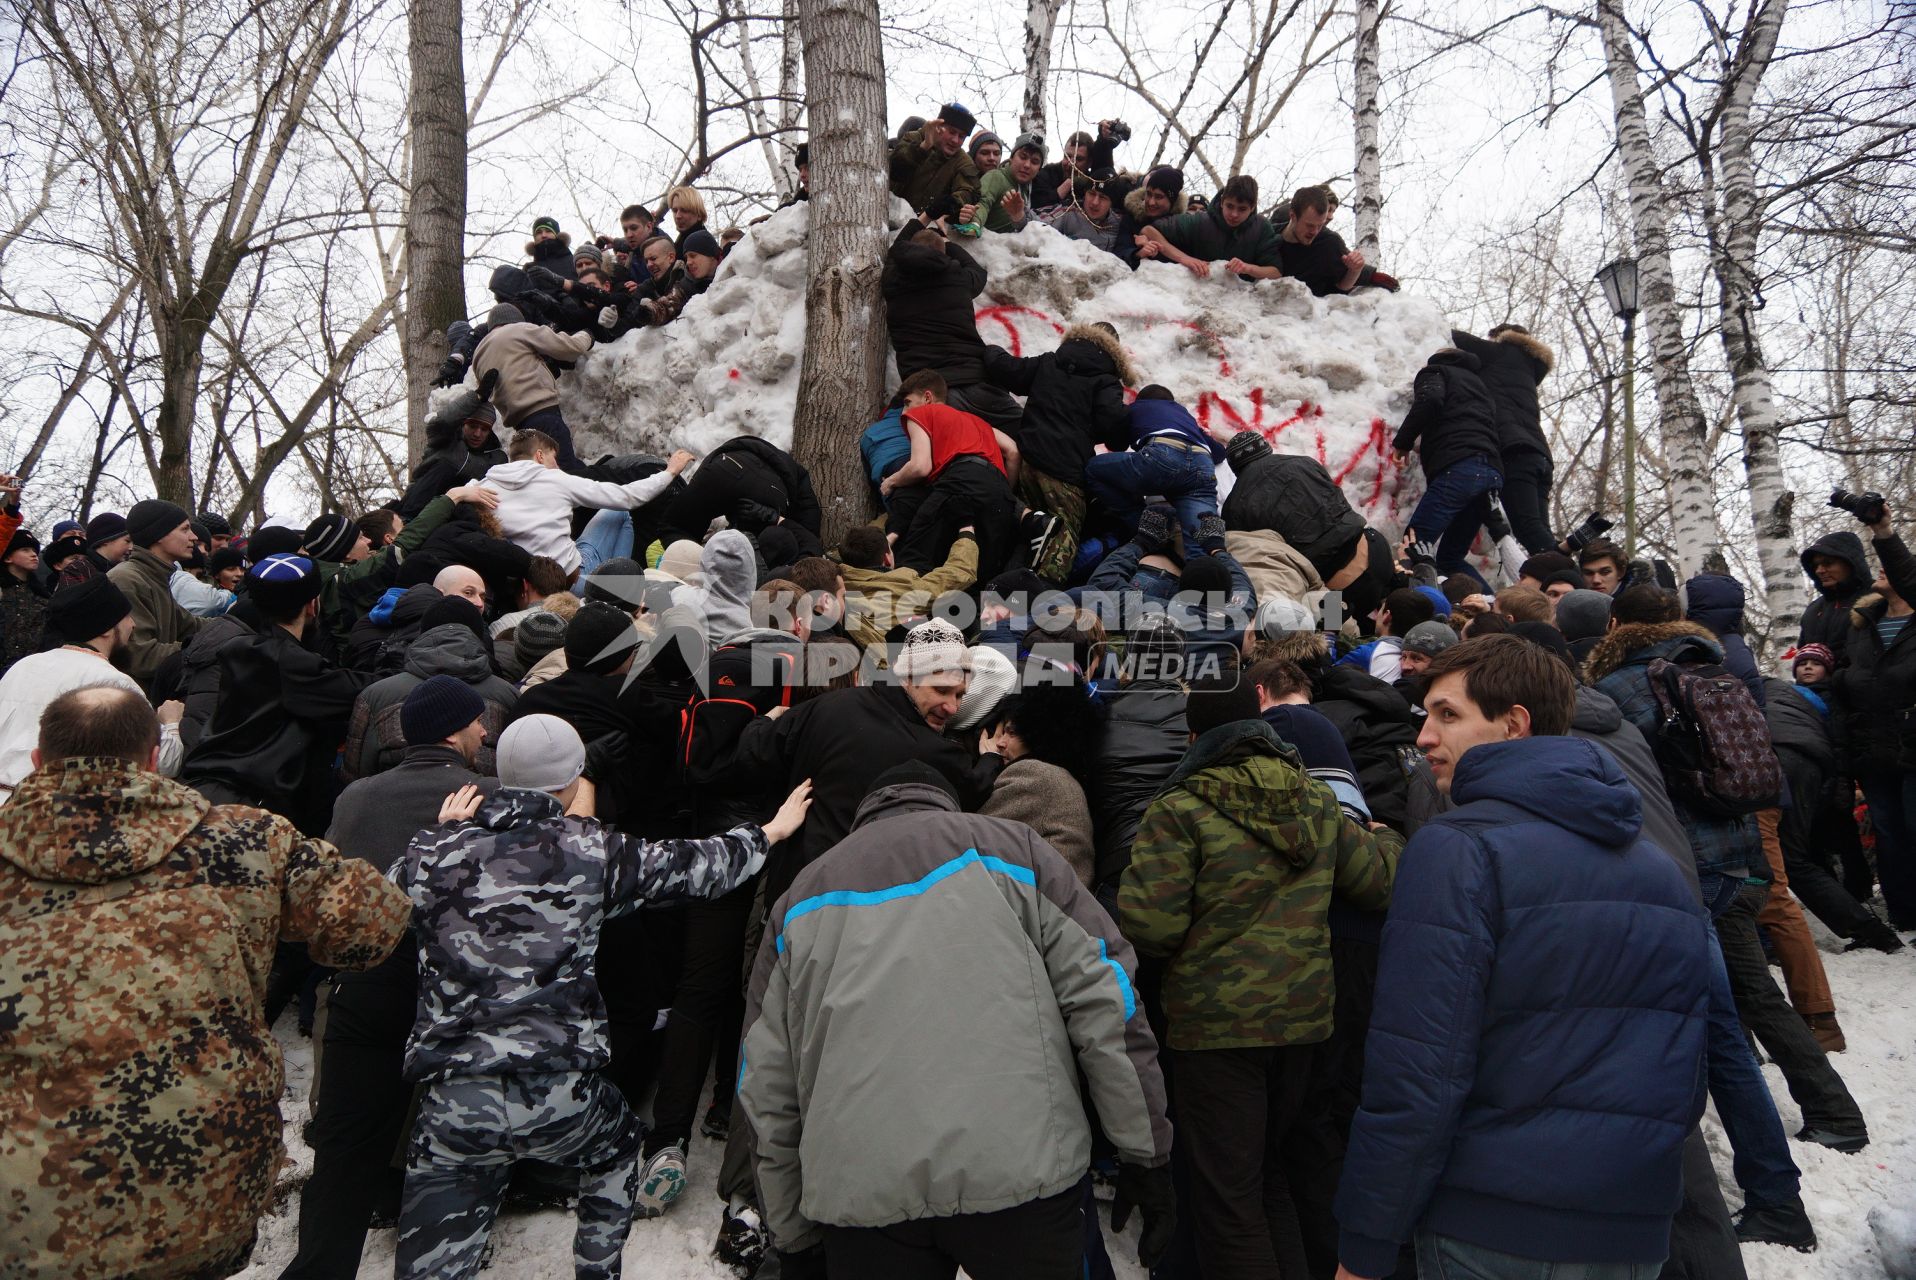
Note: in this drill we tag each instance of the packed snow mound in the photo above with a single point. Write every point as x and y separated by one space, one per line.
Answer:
1323 376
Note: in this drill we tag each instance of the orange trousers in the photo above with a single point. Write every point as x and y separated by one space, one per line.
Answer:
1782 918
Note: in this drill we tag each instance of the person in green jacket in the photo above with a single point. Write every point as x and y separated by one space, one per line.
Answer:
354 576
930 162
1232 232
1004 196
1230 885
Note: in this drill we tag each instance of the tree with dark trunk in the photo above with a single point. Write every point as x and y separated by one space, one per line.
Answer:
436 209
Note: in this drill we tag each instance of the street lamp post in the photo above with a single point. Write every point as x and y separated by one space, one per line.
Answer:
1619 281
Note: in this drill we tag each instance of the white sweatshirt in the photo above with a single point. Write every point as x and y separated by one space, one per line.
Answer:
535 504
31 685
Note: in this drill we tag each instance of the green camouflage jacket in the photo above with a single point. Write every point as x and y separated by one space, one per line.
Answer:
139 1117
1230 881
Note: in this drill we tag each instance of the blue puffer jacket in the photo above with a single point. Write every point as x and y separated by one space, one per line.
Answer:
1727 849
1536 1054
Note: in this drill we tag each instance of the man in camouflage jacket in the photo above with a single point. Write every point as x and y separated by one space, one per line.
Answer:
139 1119
510 1033
1230 883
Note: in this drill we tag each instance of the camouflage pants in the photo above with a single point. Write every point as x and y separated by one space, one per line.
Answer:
1065 501
471 1129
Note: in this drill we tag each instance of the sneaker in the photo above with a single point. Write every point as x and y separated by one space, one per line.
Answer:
741 1239
1828 1034
1496 522
1038 527
717 1123
1847 1143
661 1181
1784 1224
1880 937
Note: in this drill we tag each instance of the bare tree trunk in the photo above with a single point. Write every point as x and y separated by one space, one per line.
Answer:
1041 19
842 378
784 180
1685 433
1366 85
790 66
1733 257
436 211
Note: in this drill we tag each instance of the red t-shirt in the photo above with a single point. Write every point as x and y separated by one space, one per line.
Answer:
955 433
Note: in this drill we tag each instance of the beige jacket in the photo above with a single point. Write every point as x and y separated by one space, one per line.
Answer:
876 600
519 352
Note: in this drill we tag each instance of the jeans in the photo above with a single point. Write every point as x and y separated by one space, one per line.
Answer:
1185 479
1760 1153
1526 495
1455 504
607 536
1448 1258
1892 815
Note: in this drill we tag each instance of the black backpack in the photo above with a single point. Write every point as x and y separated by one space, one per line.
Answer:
1712 741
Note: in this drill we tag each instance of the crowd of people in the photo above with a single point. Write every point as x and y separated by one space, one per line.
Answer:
1338 903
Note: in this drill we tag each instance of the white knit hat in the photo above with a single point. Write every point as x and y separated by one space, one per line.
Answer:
932 647
993 677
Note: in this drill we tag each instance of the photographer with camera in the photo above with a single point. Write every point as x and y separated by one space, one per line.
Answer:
1085 159
1874 692
1838 569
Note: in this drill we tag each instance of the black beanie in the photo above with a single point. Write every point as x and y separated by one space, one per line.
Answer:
152 519
1166 179
599 638
701 241
438 708
104 528
225 558
456 611
273 540
87 609
1205 575
1245 448
918 773
330 537
215 524
1220 699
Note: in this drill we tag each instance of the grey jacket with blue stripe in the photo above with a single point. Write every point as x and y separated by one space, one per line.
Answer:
927 992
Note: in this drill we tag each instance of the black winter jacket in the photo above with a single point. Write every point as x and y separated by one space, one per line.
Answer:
384 634
447 462
199 679
463 540
1826 618
1144 740
1076 400
1294 497
1376 723
690 517
1875 689
1511 365
1452 417
928 296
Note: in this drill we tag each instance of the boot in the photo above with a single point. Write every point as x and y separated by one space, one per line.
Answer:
1847 1143
1785 1224
1828 1034
1876 936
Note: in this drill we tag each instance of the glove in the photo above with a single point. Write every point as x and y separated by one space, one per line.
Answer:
1210 532
806 1264
1154 528
607 755
546 279
751 517
1150 1192
451 373
608 316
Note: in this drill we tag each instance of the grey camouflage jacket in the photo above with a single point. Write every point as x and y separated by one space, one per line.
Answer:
507 910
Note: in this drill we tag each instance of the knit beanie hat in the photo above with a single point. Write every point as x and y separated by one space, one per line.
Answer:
1438 600
537 634
1429 638
456 611
684 560
701 241
931 648
915 773
225 558
1245 448
87 609
1545 636
216 525
65 527
1820 652
330 537
1154 650
437 708
1204 575
958 117
1166 179
280 584
503 314
1223 699
273 540
983 136
993 678
545 224
599 638
104 528
1583 614
1030 142
540 753
152 519
591 251
619 581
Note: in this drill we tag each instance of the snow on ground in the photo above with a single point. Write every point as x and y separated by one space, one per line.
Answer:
1325 376
1876 1003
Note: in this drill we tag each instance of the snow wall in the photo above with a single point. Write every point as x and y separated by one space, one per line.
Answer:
1324 376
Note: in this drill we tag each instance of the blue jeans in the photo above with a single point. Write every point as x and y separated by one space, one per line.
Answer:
1448 1258
1892 815
607 536
1760 1153
1455 504
1122 481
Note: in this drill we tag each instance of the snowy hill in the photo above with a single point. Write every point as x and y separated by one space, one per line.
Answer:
1325 376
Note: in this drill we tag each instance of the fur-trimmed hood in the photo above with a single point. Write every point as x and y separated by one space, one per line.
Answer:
1127 374
1528 344
532 246
1867 608
1134 205
1617 648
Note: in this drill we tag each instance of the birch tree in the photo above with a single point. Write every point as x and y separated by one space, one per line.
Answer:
1366 85
1041 18
842 377
1682 427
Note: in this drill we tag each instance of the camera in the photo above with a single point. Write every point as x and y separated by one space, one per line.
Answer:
1867 507
1121 131
1594 526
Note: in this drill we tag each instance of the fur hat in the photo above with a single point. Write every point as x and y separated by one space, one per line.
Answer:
87 609
958 117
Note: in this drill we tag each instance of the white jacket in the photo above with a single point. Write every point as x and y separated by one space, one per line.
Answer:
535 504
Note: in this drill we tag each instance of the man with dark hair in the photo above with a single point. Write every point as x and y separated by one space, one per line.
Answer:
162 536
1232 232
1004 195
534 495
1838 570
140 924
1169 455
1313 254
1402 609
1604 565
963 467
1509 1108
380 526
880 593
930 163
1646 604
1230 882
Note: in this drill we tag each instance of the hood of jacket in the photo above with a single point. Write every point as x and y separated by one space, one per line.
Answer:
1528 344
511 807
1134 204
1847 547
1089 350
1252 778
1715 601
510 477
95 820
1561 780
730 570
921 262
1641 643
1455 358
1597 712
900 799
449 650
1372 698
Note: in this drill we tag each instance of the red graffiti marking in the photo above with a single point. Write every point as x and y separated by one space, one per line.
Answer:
733 374
1014 341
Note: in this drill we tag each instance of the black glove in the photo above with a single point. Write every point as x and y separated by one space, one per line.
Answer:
545 279
1150 1192
945 206
806 1264
452 372
749 516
